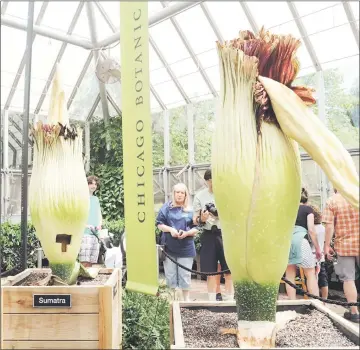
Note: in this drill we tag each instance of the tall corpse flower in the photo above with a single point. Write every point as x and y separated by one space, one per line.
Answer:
58 192
256 170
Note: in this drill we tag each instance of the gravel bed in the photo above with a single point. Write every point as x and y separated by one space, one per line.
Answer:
201 330
100 279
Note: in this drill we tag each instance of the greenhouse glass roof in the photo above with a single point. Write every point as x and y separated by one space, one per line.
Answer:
183 59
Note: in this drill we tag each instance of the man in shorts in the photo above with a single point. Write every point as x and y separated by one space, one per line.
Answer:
340 217
212 250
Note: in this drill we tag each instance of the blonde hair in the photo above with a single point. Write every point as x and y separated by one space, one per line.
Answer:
178 187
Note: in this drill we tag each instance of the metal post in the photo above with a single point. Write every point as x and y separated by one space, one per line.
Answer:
25 136
191 145
5 165
324 182
166 153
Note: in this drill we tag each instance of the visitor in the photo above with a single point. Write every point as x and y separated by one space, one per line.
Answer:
321 268
212 250
301 254
340 217
90 247
175 220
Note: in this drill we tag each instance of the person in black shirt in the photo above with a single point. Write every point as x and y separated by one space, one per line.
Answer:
301 254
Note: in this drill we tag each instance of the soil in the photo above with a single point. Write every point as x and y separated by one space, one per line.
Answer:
314 329
98 281
32 279
36 277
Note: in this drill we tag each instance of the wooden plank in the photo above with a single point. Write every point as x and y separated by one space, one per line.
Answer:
106 270
51 327
178 329
50 344
116 313
84 299
20 276
113 278
105 317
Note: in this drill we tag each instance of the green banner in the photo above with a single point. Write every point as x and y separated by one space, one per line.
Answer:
141 253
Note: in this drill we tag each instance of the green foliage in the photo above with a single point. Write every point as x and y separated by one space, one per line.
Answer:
178 136
111 191
116 227
146 322
158 140
10 246
106 162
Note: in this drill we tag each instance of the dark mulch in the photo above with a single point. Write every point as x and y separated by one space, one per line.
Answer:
99 280
201 330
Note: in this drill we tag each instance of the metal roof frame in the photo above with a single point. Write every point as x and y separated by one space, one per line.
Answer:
168 12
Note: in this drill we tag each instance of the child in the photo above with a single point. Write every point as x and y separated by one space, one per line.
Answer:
321 270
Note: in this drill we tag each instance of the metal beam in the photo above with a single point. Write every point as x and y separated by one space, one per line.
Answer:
79 80
5 160
4 7
169 70
25 136
18 128
93 108
47 32
113 28
93 35
14 137
304 35
154 19
113 103
23 60
212 22
352 21
192 53
250 17
58 58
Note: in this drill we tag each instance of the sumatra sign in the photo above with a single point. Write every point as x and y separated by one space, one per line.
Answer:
51 300
141 258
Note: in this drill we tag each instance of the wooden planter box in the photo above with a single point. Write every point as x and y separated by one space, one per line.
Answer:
349 329
93 320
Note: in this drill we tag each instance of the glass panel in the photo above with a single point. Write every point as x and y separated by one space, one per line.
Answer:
112 9
184 67
154 6
209 58
11 54
342 100
82 26
326 19
154 104
202 98
41 65
115 92
159 76
204 125
307 7
334 44
86 95
197 29
158 139
229 17
154 59
214 76
168 93
194 85
5 91
178 136
270 13
169 42
355 8
72 63
59 15
19 9
306 71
